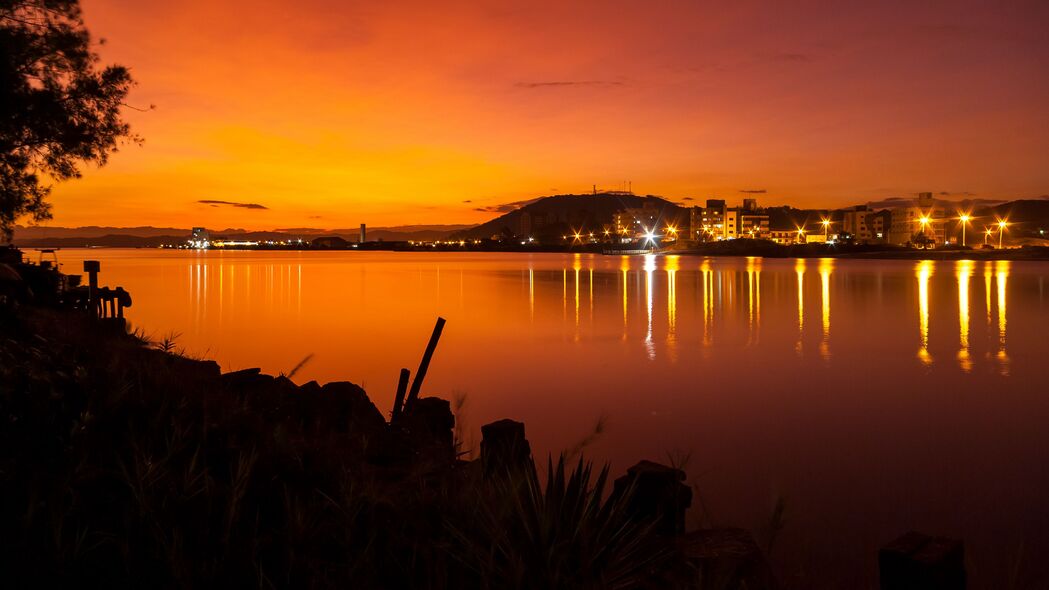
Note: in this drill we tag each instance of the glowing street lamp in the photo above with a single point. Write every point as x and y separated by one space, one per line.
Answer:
801 235
924 221
650 236
964 218
1002 224
826 229
987 236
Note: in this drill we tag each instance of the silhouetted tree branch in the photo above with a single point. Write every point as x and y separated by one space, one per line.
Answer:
59 108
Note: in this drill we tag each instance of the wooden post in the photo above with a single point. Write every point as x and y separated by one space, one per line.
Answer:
398 401
91 267
417 383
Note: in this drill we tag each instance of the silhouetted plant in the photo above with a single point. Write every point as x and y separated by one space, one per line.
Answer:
565 534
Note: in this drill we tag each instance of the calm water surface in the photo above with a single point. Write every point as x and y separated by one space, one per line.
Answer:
874 397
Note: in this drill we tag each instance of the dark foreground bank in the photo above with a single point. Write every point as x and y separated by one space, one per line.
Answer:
122 464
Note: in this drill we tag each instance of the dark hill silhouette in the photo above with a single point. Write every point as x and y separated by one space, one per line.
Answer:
553 216
1026 217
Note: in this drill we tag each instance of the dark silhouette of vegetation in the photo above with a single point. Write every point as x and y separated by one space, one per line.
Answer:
124 465
59 108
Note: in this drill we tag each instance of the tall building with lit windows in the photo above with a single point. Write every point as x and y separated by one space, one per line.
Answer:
717 221
635 221
922 215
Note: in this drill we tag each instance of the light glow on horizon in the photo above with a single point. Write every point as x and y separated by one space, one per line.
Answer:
325 114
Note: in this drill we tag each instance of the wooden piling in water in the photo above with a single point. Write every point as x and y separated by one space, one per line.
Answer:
417 383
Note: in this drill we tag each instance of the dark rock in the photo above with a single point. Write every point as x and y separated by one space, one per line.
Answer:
504 447
350 407
427 423
916 560
656 493
193 368
242 377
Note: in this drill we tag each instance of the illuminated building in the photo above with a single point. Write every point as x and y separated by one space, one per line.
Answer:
785 236
717 221
857 221
636 221
924 215
754 225
199 238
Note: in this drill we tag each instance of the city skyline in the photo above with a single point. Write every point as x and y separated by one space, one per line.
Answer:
332 115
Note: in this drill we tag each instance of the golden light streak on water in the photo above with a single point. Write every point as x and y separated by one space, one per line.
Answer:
650 268
923 271
708 300
754 298
964 271
591 310
531 294
1001 270
576 270
624 268
826 268
799 271
987 288
673 264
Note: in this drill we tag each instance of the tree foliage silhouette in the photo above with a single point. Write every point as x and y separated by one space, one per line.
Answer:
59 108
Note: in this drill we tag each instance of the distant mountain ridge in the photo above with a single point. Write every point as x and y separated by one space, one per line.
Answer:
151 237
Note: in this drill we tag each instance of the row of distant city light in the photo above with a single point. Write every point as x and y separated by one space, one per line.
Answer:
647 234
203 244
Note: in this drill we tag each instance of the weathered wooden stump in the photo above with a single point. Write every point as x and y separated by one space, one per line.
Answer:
504 448
918 561
658 494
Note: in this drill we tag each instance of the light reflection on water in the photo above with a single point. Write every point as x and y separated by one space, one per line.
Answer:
727 358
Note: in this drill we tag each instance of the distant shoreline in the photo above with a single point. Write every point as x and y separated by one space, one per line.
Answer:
719 249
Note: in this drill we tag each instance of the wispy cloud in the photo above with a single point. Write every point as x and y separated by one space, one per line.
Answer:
569 83
753 191
505 207
216 203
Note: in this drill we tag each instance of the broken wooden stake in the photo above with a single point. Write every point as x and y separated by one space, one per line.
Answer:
398 401
417 383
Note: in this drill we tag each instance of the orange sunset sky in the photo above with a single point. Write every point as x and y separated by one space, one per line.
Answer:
331 114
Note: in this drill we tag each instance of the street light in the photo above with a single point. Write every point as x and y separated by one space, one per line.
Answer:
964 218
1001 230
826 229
801 235
924 220
987 236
